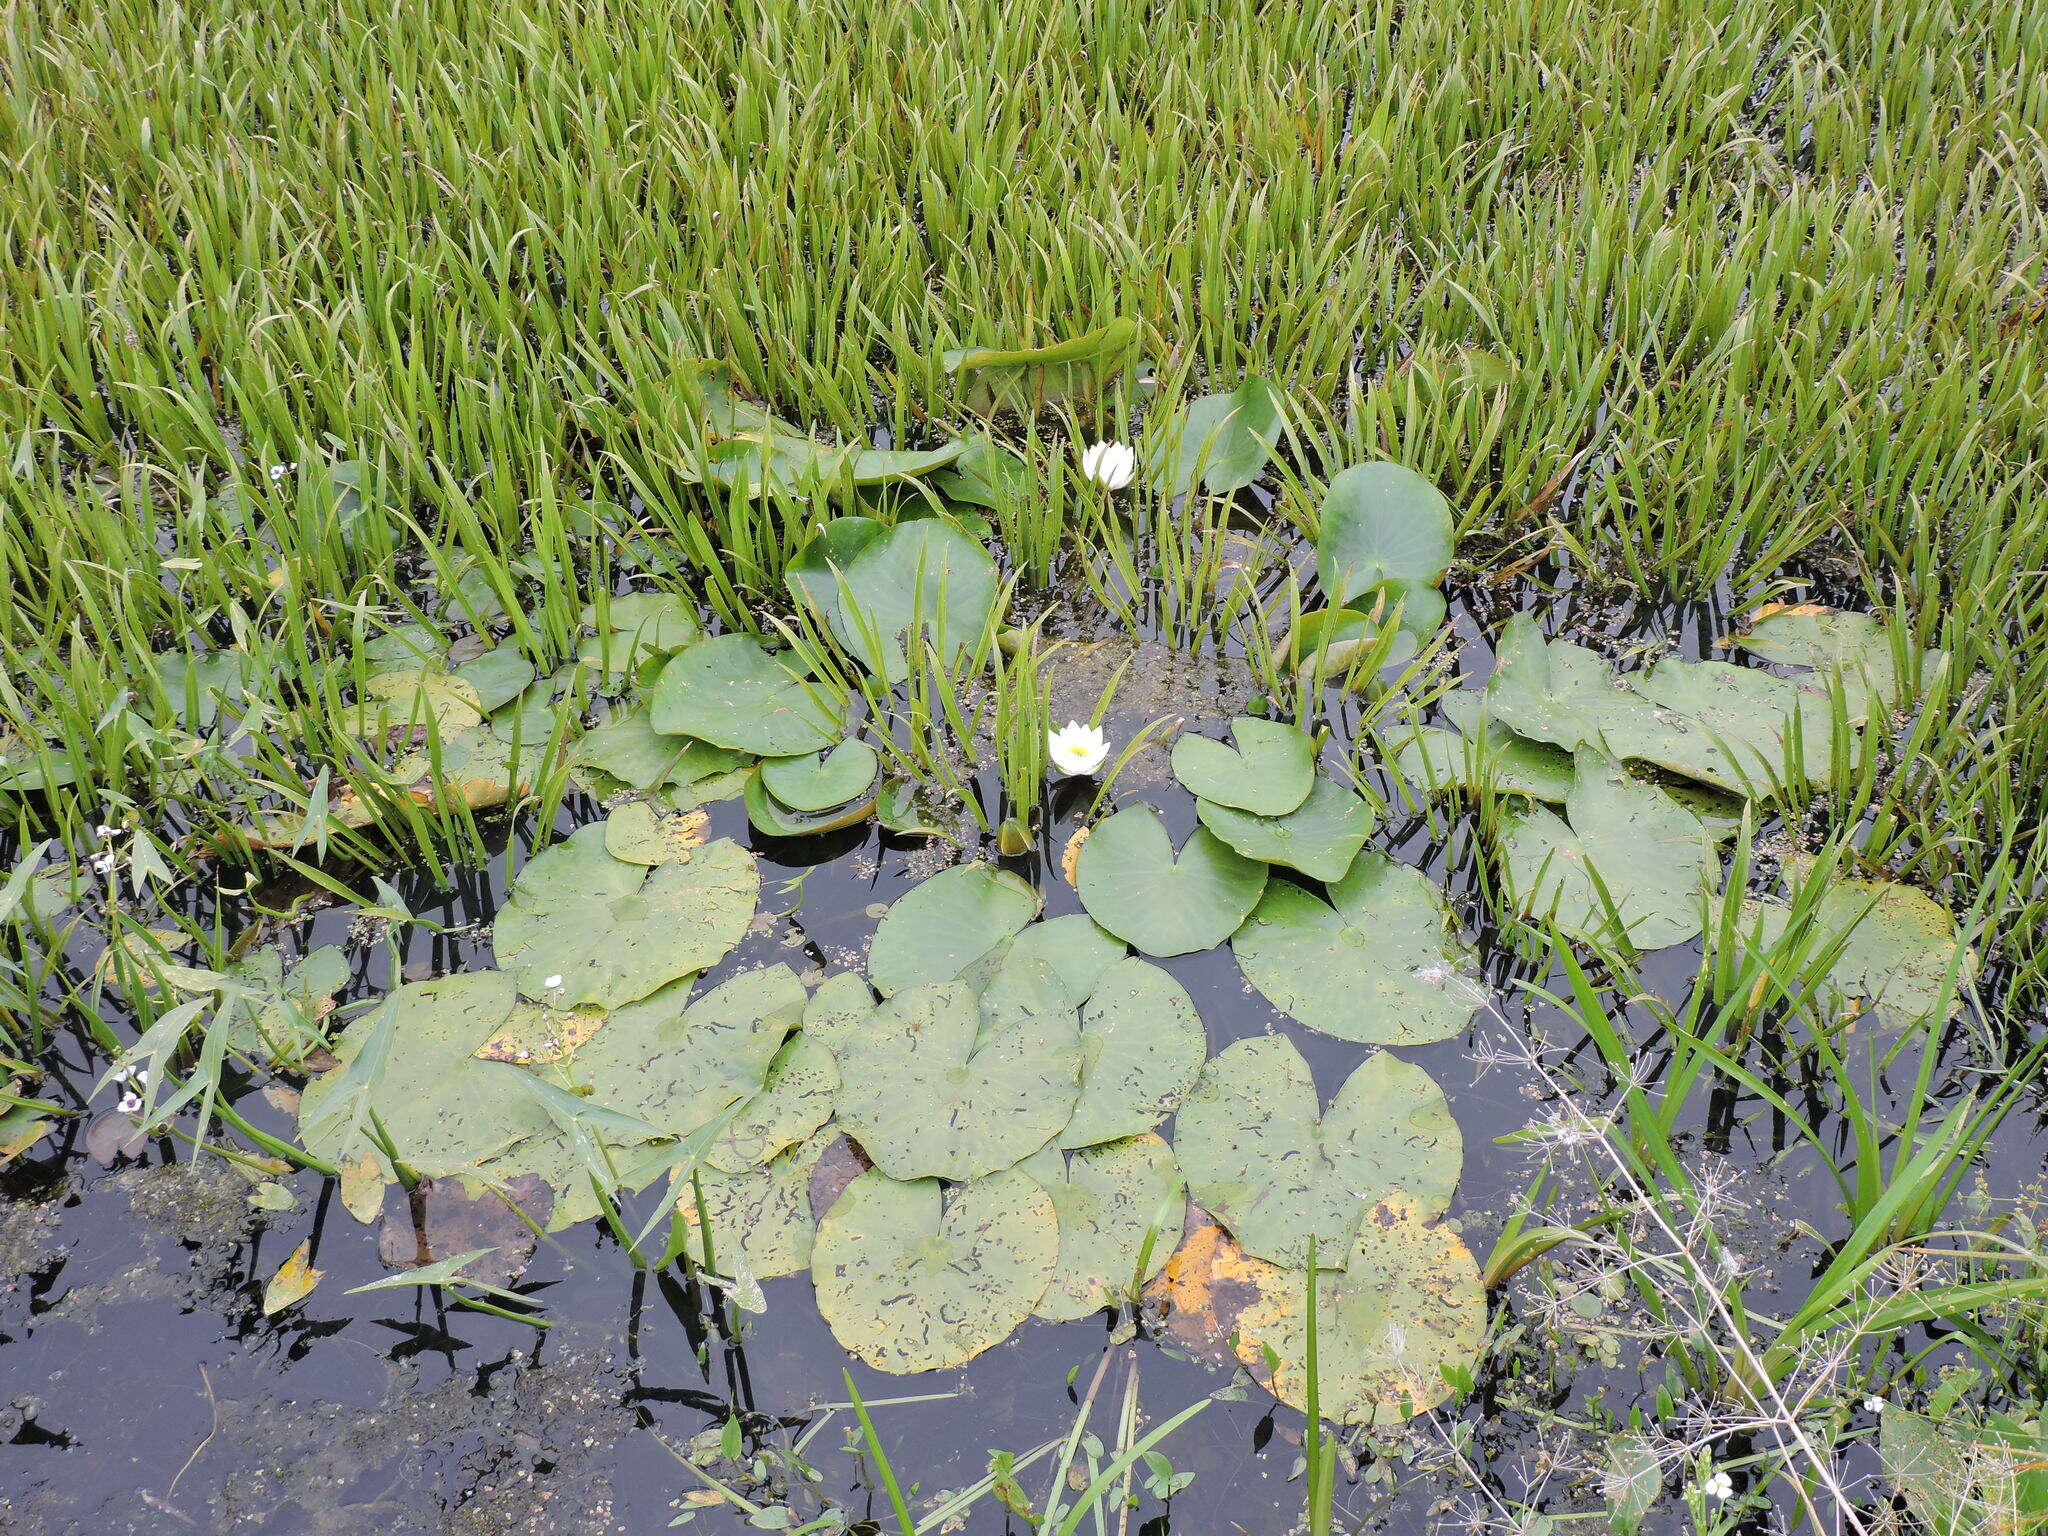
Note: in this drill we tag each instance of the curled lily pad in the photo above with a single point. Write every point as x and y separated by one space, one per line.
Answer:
1133 885
910 1279
812 783
1631 866
1108 1200
1378 963
1142 1045
938 929
612 931
1333 642
1403 1316
759 1218
771 818
1320 837
796 1098
1024 379
1220 441
1259 1156
1381 522
734 692
1269 773
932 1090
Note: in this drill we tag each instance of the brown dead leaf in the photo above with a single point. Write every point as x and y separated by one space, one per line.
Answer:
1070 856
442 1219
838 1166
1204 1287
362 1188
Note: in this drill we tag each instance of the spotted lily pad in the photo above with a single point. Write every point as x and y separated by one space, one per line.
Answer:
1024 379
1269 773
760 1218
734 692
1320 837
1378 963
1632 865
1381 522
797 1097
1107 1200
415 696
910 1279
1079 952
938 929
614 931
812 783
1133 885
534 1034
1406 1309
1142 1045
930 1089
637 833
1258 1155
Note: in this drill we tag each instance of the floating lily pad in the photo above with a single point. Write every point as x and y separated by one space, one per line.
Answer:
1258 1155
760 1218
655 621
1220 441
293 1282
1855 647
1632 865
1483 754
1107 1199
1024 379
628 747
1381 522
929 1092
474 767
984 475
839 1011
1142 1045
415 696
1269 773
922 580
1406 1309
1320 837
497 677
797 1097
615 931
1777 733
440 1219
534 1034
637 833
771 818
938 929
812 783
733 692
285 1027
1075 947
911 1280
813 573
1379 963
1133 885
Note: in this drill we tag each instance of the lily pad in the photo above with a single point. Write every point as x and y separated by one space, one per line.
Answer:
1107 1200
1776 732
1382 522
734 692
1024 379
911 1280
760 1218
922 580
1075 947
534 1035
1320 837
1404 1315
614 931
440 1219
813 573
797 1097
1258 1155
637 833
930 1092
1378 963
812 783
938 929
628 747
415 696
1142 1045
1220 441
1632 865
1487 755
771 818
1269 773
1856 647
1133 885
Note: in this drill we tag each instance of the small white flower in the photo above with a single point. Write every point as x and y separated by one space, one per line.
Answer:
1110 465
106 834
279 471
1719 1486
1873 1405
552 982
1077 750
101 863
131 1081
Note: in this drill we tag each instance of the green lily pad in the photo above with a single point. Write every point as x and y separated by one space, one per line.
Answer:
813 573
628 747
285 1026
733 692
637 833
985 475
1024 379
1483 754
1133 885
1777 733
498 676
614 931
1259 1158
1107 1199
1855 647
1320 837
1632 865
760 1218
839 1011
415 696
1142 1045
771 818
1269 773
1382 522
938 929
931 1088
656 622
912 1280
795 1099
812 783
883 466
1221 442
1379 963
920 580
1404 1317
1075 947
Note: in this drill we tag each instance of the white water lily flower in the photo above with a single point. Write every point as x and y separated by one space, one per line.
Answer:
1719 1486
1110 465
1077 750
1873 1405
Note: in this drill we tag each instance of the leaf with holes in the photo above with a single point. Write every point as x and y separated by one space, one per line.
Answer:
797 1097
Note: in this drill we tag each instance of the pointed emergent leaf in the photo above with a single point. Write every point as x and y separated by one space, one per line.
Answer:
1142 1046
1258 1157
1221 441
1269 773
1403 1317
1631 866
1024 379
1133 885
797 1098
910 1279
938 929
733 692
921 581
1379 963
1483 753
813 783
586 929
1320 837
932 1090
760 1218
1382 522
1107 1200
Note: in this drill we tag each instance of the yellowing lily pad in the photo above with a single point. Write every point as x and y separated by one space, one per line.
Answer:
293 1282
760 1218
637 833
535 1035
